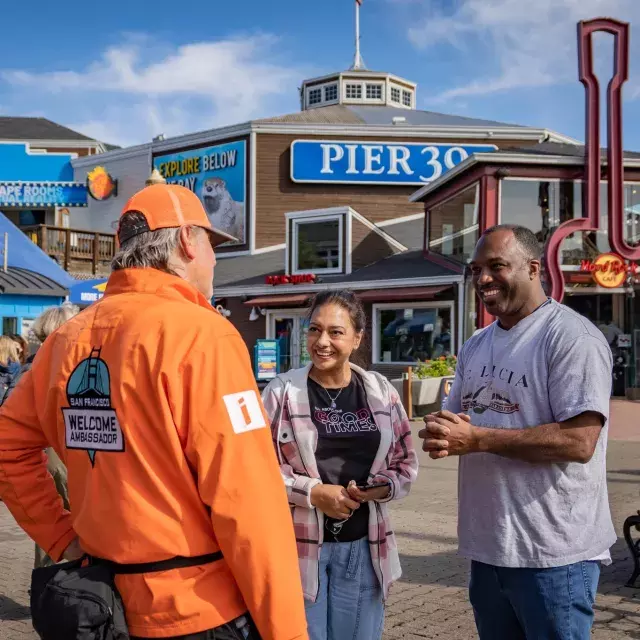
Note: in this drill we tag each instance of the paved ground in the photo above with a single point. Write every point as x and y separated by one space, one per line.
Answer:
431 599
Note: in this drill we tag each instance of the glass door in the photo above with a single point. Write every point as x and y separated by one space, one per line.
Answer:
290 327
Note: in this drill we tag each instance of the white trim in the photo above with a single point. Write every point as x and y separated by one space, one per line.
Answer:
295 270
318 213
412 131
521 158
287 250
57 144
232 254
358 75
349 243
273 247
392 221
261 290
462 305
253 191
383 234
375 342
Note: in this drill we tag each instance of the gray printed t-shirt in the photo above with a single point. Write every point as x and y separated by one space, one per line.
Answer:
550 367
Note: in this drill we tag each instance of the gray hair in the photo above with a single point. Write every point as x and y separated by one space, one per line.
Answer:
52 319
149 249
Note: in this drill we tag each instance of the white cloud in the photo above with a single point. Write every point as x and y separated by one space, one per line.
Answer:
139 88
510 44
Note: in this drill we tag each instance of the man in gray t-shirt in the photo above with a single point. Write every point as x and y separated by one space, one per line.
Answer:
528 413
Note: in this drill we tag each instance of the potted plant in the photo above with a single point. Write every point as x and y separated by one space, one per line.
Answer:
427 383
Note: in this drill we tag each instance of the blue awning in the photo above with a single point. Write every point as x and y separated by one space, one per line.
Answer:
23 253
87 291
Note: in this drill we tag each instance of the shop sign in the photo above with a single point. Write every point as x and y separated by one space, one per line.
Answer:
609 270
267 354
217 175
43 194
100 184
87 291
303 278
349 162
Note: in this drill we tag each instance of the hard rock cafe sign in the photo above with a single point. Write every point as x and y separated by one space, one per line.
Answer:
621 250
609 270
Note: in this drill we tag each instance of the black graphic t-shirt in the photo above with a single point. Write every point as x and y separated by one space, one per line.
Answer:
348 440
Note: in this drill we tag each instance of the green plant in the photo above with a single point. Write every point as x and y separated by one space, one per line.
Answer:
443 366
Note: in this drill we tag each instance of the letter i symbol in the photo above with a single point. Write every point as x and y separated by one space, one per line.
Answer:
242 403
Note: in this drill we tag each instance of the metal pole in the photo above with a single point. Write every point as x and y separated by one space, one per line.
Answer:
357 61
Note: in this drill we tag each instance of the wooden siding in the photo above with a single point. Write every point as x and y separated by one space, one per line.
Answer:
367 245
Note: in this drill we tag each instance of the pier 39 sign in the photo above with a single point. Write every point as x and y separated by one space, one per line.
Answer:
353 162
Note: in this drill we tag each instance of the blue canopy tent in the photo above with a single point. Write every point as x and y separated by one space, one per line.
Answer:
33 281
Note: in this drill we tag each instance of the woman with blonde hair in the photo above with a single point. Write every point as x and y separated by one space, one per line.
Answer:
9 365
48 322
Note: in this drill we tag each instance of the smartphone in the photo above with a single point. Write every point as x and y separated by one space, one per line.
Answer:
365 487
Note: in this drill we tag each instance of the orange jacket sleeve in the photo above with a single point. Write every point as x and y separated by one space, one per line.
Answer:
229 446
26 487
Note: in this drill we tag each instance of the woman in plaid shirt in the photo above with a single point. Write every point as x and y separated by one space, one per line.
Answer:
337 427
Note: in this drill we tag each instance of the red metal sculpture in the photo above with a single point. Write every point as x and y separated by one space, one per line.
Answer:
615 168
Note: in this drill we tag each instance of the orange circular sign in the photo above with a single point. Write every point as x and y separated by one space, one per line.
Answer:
100 184
609 271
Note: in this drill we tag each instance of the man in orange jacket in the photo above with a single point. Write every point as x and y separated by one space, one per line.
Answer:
149 398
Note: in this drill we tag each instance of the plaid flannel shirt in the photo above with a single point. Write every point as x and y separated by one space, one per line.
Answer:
295 438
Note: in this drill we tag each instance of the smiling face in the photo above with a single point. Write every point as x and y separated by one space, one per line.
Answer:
332 337
505 277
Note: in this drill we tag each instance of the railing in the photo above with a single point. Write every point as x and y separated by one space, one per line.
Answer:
74 249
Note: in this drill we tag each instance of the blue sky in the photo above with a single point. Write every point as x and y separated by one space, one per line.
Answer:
124 71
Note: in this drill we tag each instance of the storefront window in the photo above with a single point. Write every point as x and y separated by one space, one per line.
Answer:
412 333
317 245
543 205
453 225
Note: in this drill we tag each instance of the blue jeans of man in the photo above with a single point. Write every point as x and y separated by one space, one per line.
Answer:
349 604
534 604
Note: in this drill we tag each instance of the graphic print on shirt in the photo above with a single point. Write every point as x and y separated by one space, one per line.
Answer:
486 397
337 421
90 422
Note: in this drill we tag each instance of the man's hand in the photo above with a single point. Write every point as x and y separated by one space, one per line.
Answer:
447 433
377 493
333 500
73 551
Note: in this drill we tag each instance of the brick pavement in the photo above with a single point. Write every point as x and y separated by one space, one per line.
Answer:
431 599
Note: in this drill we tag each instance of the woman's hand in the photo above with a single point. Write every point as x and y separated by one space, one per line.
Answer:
378 493
73 551
333 500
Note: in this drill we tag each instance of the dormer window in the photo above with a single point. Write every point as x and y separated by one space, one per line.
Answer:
315 96
354 91
331 93
317 245
374 91
406 98
395 94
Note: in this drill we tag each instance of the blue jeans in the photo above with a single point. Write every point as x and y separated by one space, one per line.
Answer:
534 604
349 604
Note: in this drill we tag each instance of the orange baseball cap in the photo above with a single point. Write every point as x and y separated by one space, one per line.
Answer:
166 206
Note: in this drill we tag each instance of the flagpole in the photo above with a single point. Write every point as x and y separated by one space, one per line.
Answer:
357 61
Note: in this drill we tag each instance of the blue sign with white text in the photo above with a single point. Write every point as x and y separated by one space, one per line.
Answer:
43 194
352 162
217 175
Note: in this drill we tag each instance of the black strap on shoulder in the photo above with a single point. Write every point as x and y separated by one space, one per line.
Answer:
179 562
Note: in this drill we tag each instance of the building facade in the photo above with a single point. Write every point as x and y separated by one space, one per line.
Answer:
321 198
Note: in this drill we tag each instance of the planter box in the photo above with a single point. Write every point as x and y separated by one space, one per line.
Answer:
426 394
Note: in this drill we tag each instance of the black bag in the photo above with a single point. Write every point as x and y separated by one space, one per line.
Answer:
79 600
